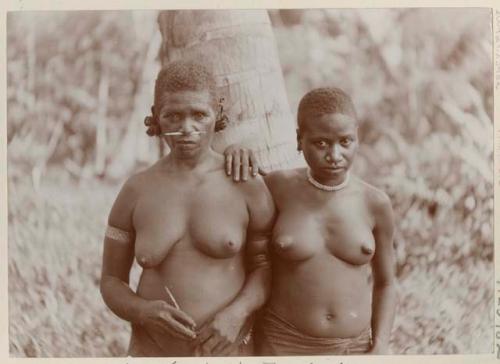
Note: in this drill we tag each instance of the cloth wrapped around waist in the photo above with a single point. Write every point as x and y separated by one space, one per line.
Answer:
276 336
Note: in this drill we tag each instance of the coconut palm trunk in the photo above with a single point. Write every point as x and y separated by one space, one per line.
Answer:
239 47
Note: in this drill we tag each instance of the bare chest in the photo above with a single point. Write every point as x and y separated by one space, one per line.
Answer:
206 216
342 228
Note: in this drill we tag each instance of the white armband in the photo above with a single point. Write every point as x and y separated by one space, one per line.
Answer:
119 235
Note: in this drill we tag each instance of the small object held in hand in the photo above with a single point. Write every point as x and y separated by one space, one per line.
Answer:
181 133
176 305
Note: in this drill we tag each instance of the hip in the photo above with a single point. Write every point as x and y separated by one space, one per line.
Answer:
275 335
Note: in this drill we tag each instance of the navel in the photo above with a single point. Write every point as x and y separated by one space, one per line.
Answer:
330 317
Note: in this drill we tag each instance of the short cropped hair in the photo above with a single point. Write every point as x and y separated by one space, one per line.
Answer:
184 75
326 100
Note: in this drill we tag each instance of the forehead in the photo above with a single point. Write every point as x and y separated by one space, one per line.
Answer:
186 100
330 124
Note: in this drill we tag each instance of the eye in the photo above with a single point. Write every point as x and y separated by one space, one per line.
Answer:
171 116
199 115
321 143
345 142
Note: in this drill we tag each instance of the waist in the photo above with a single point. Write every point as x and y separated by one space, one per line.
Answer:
198 291
147 342
326 302
283 338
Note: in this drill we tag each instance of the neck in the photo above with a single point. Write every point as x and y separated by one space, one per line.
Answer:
333 181
331 184
190 163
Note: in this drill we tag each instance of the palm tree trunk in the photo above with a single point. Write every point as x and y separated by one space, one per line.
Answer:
239 47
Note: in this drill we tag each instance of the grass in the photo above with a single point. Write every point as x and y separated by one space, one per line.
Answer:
55 308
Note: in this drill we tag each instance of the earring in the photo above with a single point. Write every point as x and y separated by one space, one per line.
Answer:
221 120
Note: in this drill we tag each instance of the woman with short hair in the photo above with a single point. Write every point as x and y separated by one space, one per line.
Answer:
200 239
333 276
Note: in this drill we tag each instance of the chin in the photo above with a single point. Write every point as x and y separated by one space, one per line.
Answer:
185 153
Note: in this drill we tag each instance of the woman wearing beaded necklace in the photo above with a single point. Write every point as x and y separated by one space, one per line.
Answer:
333 285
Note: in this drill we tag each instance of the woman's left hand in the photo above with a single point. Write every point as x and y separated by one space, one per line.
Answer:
220 336
240 161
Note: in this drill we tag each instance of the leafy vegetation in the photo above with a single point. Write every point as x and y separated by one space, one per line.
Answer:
422 84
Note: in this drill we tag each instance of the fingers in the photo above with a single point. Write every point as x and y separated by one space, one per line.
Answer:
221 347
236 165
164 327
227 350
239 163
262 172
184 317
229 163
244 165
254 164
204 334
178 327
208 346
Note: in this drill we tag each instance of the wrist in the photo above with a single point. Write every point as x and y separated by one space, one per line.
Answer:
138 316
240 310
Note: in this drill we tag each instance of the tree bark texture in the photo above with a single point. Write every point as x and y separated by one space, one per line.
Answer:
239 47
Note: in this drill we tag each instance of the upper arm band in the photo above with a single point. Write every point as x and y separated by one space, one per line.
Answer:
117 234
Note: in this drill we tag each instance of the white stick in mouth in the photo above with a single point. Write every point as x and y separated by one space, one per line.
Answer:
176 305
181 133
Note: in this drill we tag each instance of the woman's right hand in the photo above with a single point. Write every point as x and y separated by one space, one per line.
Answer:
240 161
159 315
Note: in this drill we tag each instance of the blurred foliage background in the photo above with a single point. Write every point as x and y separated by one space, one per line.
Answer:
80 84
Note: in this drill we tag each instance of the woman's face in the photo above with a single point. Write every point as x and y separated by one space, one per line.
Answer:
329 144
187 112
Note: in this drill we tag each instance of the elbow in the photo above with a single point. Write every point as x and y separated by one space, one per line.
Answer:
105 287
386 285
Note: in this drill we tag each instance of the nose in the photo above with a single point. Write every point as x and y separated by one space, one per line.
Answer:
334 155
187 125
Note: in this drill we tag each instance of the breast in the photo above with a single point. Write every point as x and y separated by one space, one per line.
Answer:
159 224
296 236
351 241
218 221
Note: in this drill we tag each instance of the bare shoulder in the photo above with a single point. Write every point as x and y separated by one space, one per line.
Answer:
138 181
378 203
278 181
253 187
122 209
260 203
375 196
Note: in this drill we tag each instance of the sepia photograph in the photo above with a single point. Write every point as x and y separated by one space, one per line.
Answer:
273 182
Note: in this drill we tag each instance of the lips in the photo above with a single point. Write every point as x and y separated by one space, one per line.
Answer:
334 169
187 142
